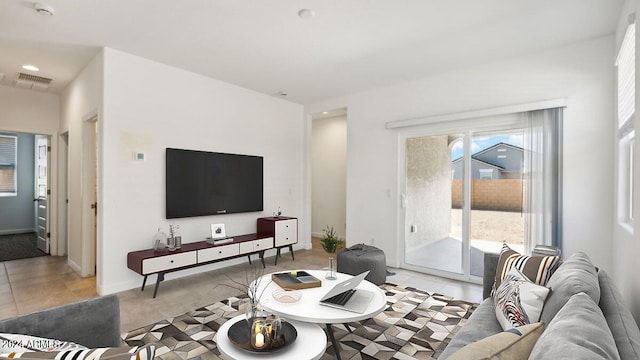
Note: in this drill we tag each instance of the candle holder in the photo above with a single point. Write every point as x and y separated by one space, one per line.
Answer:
259 335
264 334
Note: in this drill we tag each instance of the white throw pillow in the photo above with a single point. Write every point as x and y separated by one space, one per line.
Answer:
518 301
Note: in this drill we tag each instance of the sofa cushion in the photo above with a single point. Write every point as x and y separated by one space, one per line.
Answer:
146 352
481 324
93 323
536 268
515 343
575 275
518 301
578 331
621 323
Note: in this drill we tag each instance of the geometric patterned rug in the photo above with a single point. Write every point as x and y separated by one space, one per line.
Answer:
416 324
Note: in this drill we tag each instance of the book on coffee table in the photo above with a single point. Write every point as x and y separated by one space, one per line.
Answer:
296 280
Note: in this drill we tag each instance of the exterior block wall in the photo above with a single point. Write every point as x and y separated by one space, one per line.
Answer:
496 195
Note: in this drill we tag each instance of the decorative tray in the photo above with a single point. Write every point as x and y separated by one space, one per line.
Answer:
239 334
295 280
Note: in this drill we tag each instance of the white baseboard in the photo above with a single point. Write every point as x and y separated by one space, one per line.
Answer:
75 267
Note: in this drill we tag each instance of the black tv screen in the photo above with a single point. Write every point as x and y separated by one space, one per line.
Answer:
200 183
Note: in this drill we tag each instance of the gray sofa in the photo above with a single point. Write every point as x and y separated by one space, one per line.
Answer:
92 323
593 282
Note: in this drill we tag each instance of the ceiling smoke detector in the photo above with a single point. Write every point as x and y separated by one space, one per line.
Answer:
44 9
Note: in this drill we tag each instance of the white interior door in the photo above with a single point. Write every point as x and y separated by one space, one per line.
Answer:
42 191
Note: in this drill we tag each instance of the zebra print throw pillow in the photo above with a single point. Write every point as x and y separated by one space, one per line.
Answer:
518 301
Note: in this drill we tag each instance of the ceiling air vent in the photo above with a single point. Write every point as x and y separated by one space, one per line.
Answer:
34 78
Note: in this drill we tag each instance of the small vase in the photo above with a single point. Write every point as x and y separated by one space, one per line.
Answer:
330 274
253 311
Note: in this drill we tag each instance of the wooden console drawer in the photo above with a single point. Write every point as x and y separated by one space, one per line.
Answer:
256 245
168 262
218 252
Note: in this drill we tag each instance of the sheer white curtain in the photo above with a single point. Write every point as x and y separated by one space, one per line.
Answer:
542 177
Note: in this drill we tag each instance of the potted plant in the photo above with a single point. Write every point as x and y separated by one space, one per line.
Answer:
330 243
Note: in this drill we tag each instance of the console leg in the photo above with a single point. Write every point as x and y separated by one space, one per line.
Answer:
249 257
160 278
262 259
291 251
336 345
277 256
144 282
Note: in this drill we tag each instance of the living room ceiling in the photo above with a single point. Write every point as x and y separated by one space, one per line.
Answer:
348 46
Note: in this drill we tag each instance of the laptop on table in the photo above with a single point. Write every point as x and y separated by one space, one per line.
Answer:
345 296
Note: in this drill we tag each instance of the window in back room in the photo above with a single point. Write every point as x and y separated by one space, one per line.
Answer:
8 165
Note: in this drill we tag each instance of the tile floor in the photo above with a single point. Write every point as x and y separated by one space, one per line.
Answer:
29 285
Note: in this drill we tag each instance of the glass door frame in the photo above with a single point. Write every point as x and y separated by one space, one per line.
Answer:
466 127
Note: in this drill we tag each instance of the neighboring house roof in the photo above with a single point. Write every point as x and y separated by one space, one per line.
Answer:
479 161
495 146
479 153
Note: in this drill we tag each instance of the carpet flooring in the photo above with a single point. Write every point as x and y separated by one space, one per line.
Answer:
416 324
19 246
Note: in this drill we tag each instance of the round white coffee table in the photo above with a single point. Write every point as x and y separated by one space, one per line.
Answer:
308 309
310 343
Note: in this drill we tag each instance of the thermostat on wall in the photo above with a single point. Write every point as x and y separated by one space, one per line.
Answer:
139 156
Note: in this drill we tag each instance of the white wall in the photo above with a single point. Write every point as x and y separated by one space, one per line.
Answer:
150 106
81 98
29 111
626 243
580 72
329 175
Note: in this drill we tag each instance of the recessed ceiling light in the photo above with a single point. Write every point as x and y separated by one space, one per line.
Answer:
325 112
30 67
306 14
282 93
44 9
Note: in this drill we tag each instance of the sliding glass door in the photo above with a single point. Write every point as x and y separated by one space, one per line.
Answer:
467 192
433 236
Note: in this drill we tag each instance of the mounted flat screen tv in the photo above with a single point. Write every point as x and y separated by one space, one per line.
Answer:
200 183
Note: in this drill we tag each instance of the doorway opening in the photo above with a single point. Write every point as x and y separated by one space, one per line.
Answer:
328 173
24 192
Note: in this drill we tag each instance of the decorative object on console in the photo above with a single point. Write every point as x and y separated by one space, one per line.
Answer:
219 235
159 240
175 241
218 231
330 243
